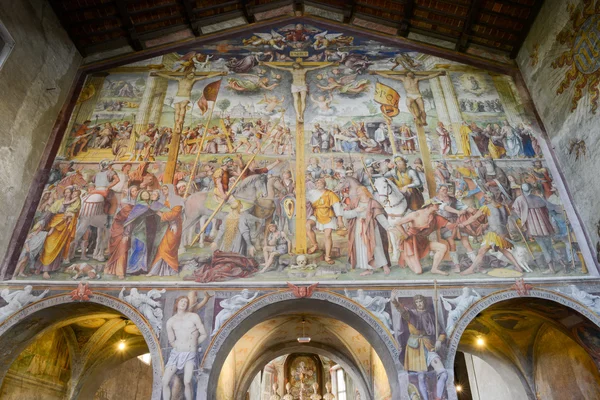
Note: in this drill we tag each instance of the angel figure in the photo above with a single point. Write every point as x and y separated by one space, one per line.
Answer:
187 62
406 61
461 304
250 83
324 40
271 102
273 39
577 146
302 291
18 300
323 103
346 85
147 304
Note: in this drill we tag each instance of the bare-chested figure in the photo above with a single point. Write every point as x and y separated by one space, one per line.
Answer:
414 99
299 87
184 91
185 332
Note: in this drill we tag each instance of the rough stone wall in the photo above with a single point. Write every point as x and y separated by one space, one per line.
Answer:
34 83
539 64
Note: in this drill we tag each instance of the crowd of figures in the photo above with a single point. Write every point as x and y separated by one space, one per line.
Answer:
493 140
362 138
127 218
515 215
229 136
478 106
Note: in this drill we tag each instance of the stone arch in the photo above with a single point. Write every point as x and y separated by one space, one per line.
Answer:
503 295
324 303
20 329
314 348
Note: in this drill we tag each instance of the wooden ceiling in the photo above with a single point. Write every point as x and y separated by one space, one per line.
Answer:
466 25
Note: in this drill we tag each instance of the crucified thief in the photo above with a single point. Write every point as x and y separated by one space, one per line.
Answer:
414 98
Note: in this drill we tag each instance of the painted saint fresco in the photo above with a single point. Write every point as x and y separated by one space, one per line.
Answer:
299 154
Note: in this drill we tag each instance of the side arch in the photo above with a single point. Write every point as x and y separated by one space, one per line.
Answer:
21 328
323 303
503 295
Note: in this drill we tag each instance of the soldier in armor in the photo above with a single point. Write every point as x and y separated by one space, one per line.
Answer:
407 181
495 180
495 238
454 211
221 178
105 180
442 174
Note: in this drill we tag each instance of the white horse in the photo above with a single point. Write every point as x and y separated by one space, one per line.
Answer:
394 202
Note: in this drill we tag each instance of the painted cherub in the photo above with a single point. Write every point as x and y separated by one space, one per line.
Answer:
271 102
323 103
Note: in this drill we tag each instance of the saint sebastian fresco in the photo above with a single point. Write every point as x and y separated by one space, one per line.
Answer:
231 160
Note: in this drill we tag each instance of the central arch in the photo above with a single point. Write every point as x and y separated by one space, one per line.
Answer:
317 348
321 303
20 329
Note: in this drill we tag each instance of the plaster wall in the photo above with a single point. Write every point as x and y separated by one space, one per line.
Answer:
34 82
130 380
567 120
486 383
562 366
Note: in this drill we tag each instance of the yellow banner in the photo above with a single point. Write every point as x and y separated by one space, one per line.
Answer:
388 98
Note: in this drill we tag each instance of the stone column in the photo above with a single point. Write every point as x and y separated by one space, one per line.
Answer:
440 102
452 107
158 100
142 116
85 110
507 98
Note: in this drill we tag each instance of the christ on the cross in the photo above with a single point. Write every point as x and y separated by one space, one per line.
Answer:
414 98
184 90
299 87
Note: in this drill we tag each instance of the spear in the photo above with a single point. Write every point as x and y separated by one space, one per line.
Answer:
230 191
435 299
212 108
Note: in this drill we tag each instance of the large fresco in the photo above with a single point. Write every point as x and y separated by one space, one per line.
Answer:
299 153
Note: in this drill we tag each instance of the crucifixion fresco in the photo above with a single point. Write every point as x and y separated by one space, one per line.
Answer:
299 154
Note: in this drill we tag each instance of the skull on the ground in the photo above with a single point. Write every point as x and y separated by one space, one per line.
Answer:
301 261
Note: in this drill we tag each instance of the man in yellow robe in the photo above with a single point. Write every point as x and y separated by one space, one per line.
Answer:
61 232
465 139
327 216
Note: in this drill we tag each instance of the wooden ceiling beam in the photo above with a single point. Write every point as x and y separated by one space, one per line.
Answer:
512 3
349 10
134 40
216 6
372 7
247 11
501 15
409 8
456 29
221 17
472 14
153 8
440 13
62 17
156 20
525 31
298 6
188 6
497 27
